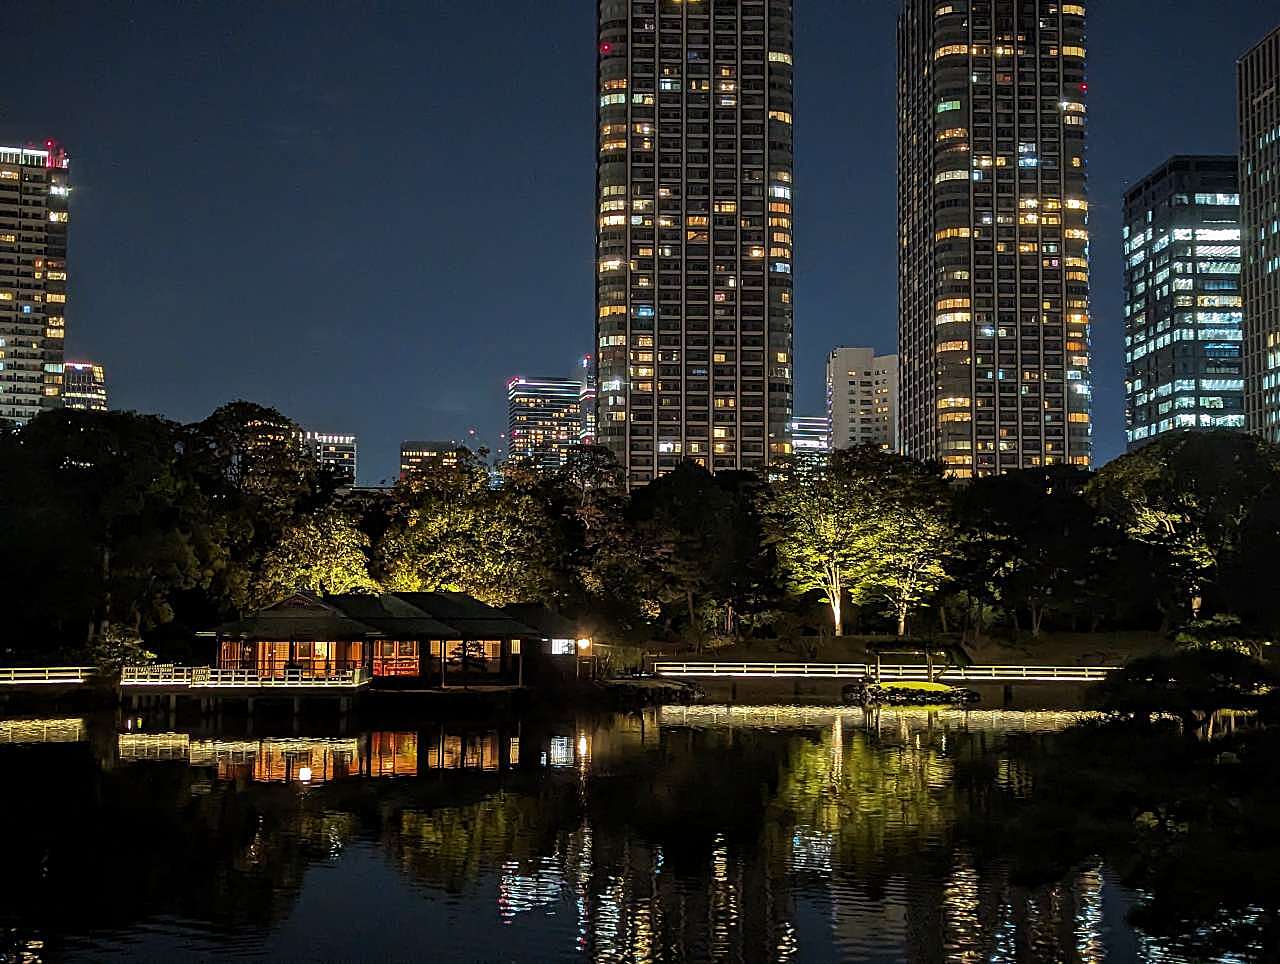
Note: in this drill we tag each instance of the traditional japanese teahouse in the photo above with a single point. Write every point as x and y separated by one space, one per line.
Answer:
420 639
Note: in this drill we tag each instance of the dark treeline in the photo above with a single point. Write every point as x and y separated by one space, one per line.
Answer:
122 531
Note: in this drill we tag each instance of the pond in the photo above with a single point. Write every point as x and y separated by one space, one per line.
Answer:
801 833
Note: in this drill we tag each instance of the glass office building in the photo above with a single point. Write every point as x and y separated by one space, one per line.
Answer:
1182 301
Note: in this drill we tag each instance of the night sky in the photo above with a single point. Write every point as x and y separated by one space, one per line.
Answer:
370 215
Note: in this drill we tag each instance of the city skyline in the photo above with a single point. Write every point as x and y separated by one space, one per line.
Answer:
1138 117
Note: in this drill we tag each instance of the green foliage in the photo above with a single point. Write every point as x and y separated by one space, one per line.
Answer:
1191 683
867 523
117 646
1032 542
324 553
454 532
1188 498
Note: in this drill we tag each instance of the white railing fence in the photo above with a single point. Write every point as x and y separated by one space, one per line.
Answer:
888 671
46 675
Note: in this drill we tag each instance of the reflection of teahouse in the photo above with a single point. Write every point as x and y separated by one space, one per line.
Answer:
431 639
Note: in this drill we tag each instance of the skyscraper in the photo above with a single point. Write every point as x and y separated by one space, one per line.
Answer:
693 185
544 420
33 279
993 262
862 398
1182 299
84 386
337 453
1259 81
587 400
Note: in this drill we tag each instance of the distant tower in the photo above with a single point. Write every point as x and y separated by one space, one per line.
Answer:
33 278
862 398
337 453
1182 314
587 400
993 238
544 420
1259 80
84 386
694 243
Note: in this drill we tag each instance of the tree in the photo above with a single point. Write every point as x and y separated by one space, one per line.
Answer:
821 523
248 460
325 553
101 505
1187 497
1032 536
455 532
684 517
911 538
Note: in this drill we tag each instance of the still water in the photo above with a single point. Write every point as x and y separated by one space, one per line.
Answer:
677 834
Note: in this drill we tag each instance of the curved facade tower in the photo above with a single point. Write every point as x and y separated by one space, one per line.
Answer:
693 241
993 262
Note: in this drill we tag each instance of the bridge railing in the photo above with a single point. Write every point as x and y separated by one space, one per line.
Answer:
888 671
208 677
46 675
157 675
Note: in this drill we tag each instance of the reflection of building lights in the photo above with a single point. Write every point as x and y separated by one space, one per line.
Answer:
304 774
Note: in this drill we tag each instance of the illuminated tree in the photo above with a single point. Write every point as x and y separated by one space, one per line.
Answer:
325 553
911 541
821 524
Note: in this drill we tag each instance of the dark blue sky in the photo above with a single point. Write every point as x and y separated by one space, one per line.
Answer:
370 215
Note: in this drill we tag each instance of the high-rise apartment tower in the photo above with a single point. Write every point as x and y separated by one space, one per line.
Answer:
993 257
1182 316
33 279
862 398
694 239
1259 81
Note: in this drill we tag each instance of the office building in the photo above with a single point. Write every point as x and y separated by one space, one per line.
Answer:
862 398
34 189
694 241
587 400
544 420
435 454
84 386
1259 82
993 272
810 437
1182 314
336 453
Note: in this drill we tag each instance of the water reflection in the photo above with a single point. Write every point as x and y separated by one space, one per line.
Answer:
683 833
